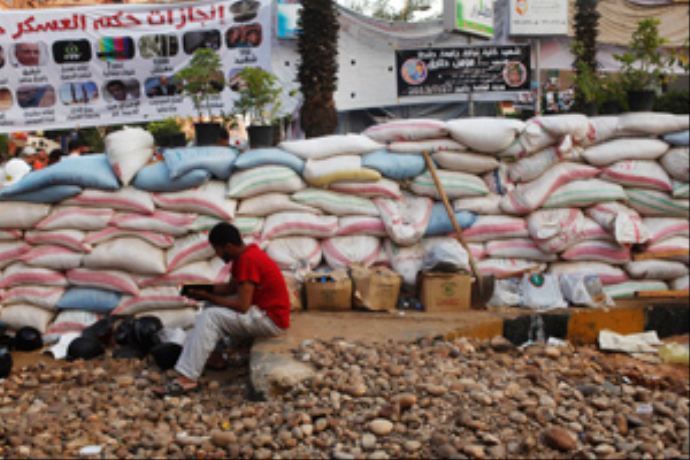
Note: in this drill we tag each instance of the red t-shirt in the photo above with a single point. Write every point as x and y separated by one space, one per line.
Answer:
270 290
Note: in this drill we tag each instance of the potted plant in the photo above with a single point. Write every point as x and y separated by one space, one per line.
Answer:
259 103
644 65
167 132
202 78
587 81
613 96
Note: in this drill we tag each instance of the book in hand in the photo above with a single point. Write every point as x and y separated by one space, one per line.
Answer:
187 289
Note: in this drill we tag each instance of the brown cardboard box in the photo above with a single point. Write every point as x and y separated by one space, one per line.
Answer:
334 294
375 288
446 291
294 290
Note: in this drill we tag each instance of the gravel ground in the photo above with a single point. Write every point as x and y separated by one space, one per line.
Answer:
460 399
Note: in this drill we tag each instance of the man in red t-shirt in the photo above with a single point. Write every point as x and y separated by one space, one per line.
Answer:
254 304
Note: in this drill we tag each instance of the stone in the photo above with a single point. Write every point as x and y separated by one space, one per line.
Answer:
447 451
621 423
559 438
406 400
223 438
552 352
368 441
320 424
604 449
500 344
412 446
381 427
474 451
124 380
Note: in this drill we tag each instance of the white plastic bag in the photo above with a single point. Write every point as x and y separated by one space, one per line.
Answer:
541 292
407 261
446 252
584 290
128 150
506 293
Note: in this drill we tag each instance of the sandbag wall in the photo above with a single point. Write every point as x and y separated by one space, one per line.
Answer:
117 232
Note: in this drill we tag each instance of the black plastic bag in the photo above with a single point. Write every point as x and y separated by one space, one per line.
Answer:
101 330
28 339
5 363
166 355
139 335
84 348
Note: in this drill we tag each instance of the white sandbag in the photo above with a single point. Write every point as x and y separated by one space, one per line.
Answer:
21 215
329 146
183 318
410 129
249 227
271 203
656 269
384 188
488 228
406 261
627 290
575 125
264 179
584 193
52 257
192 248
488 205
638 173
209 200
429 145
112 280
295 252
20 274
545 224
506 293
71 321
608 274
529 168
478 250
680 189
406 219
128 150
170 223
498 180
652 203
10 235
213 271
151 299
584 230
663 228
681 284
517 248
603 128
125 199
674 248
473 163
676 162
322 173
344 251
625 223
334 203
508 268
601 251
625 149
528 197
584 290
456 185
110 233
299 224
73 217
535 137
10 251
651 123
361 225
38 296
445 252
541 292
483 134
127 254
71 239
19 315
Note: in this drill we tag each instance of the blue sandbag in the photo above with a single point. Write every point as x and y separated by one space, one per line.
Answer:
86 171
48 195
269 156
398 166
439 224
216 160
156 178
89 299
680 138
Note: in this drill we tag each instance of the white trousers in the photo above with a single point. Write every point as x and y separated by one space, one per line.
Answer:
211 325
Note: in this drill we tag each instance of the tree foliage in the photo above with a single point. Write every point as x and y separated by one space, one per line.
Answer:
202 77
384 9
585 50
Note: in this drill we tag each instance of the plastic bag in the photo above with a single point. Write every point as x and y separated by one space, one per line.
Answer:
541 292
584 290
444 255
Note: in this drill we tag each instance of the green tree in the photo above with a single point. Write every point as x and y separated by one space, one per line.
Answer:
318 68
202 77
585 50
383 9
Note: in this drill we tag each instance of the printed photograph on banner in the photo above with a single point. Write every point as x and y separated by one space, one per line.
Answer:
83 92
244 36
121 90
71 51
244 10
414 71
163 86
160 45
29 54
33 96
515 74
196 39
6 99
115 48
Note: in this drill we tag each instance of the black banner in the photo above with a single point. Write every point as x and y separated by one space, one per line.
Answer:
477 69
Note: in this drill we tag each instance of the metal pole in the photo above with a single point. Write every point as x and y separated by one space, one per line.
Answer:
537 45
470 99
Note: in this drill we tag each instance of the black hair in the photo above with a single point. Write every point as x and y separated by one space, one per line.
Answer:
54 156
224 233
75 144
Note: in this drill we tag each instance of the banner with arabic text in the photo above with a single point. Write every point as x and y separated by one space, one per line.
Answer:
86 66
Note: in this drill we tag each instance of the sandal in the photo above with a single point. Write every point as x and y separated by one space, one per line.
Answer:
174 388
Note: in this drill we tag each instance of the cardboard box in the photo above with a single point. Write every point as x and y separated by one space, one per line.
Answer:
375 288
330 291
295 291
446 291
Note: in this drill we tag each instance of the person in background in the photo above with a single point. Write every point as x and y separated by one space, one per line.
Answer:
223 138
76 147
55 156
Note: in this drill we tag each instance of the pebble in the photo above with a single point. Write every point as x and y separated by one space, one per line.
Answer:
474 451
381 427
560 438
368 441
223 438
412 446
